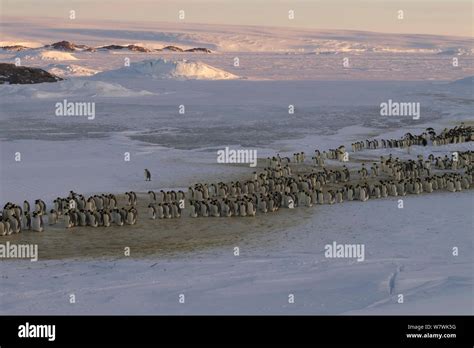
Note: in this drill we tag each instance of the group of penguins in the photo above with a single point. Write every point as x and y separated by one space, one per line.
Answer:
276 186
74 210
95 211
458 134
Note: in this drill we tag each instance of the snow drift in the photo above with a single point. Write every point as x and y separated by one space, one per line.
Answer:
70 70
75 88
45 55
168 69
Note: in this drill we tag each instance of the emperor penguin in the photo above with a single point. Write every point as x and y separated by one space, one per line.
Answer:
147 175
339 198
272 205
159 211
204 210
242 209
175 211
308 201
213 210
106 218
82 220
37 223
43 206
226 211
53 217
26 206
251 211
118 218
350 193
8 227
331 197
131 220
457 184
192 210
320 197
18 212
167 211
27 220
263 206
151 211
93 222
15 224
68 221
363 194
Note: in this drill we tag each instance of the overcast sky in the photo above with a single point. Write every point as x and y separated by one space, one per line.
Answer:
443 17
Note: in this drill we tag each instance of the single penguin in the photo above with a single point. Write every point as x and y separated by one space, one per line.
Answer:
151 211
53 217
147 175
37 223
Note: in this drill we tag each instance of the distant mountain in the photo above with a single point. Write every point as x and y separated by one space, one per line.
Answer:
12 74
68 46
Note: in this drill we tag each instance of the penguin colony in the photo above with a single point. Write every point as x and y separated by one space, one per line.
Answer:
275 187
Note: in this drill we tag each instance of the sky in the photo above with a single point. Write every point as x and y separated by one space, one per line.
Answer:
439 17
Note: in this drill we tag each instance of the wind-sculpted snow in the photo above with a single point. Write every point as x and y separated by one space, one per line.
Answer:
74 88
168 69
45 55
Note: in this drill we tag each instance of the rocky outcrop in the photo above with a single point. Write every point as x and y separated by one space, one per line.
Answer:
138 48
173 48
198 49
12 74
15 48
71 47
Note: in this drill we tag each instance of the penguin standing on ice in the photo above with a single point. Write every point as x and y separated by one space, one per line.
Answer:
106 218
118 219
37 222
151 211
53 217
192 210
152 196
147 175
68 221
15 224
26 206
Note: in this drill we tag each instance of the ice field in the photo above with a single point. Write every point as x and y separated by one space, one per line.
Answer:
407 251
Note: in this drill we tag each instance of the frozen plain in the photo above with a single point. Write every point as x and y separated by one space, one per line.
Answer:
408 250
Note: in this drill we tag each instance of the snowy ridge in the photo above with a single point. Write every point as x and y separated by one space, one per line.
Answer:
70 70
169 69
45 55
75 88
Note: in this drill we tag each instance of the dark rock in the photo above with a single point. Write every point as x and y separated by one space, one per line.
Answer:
173 48
15 48
112 47
138 48
199 49
64 46
12 74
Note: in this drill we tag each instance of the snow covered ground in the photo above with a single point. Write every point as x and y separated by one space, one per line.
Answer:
408 251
